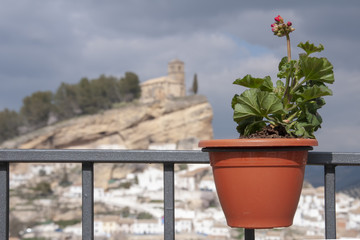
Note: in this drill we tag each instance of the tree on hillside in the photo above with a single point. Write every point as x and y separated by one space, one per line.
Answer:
111 88
105 91
130 87
10 122
84 96
65 101
36 108
194 88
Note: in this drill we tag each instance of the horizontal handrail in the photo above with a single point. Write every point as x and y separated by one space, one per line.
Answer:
334 158
104 156
153 156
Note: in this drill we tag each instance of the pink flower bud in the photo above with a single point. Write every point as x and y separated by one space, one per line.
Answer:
272 25
289 23
279 19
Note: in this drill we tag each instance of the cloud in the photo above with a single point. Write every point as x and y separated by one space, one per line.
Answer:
342 138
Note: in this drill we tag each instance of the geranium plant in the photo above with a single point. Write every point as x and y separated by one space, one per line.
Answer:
290 108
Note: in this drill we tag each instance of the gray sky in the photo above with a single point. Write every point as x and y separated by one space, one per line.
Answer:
44 43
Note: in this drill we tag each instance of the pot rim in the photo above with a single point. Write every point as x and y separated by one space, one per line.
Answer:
258 142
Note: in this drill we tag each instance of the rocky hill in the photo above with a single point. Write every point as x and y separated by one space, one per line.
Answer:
168 124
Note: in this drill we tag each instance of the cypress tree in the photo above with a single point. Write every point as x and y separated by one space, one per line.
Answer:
195 87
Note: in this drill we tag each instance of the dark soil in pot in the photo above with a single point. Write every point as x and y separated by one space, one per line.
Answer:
270 132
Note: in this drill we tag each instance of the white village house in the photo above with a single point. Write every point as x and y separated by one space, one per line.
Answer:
151 179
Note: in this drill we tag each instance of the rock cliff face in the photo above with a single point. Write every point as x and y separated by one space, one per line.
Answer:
170 124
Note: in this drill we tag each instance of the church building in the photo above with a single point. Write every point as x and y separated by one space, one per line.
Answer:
170 86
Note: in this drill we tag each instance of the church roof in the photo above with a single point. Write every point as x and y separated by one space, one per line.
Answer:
154 80
157 80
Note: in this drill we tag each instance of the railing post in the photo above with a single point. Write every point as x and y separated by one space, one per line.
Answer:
169 210
249 234
4 200
88 201
330 202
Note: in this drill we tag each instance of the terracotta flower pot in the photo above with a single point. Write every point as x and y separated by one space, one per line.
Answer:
258 181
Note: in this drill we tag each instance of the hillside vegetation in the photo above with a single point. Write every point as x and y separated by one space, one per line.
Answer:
86 97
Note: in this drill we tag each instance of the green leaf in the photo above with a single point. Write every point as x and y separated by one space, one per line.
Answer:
317 69
311 106
302 129
250 125
287 69
309 120
279 89
314 119
267 84
310 48
249 81
311 117
256 103
282 62
234 101
280 84
315 91
264 84
254 127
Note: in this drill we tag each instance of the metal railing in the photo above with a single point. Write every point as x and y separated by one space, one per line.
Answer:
168 158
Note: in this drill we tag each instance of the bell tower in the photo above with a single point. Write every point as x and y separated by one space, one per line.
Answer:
177 74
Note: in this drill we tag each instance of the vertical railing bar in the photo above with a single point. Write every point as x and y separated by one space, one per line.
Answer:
87 200
4 200
330 202
249 234
169 209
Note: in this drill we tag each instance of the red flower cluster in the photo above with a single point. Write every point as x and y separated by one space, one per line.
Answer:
279 19
281 29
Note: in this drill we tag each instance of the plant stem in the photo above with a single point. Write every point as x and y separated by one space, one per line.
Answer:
288 47
290 108
287 85
292 117
286 93
297 86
